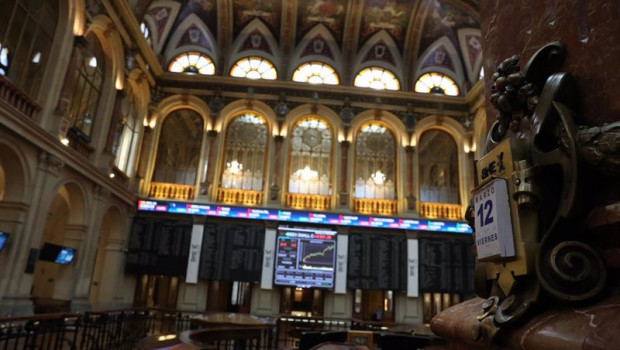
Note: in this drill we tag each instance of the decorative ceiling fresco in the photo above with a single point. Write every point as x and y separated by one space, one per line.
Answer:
407 37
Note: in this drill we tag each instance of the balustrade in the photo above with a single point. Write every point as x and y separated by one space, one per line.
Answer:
172 191
440 210
10 93
378 206
245 197
308 201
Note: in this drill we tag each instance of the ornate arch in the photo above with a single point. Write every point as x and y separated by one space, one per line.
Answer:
370 56
458 133
175 102
441 49
17 180
298 58
209 49
112 45
233 109
267 46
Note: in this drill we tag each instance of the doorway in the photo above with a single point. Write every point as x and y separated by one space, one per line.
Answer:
373 305
156 291
302 301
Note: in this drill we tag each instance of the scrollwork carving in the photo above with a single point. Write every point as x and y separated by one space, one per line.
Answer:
572 271
539 105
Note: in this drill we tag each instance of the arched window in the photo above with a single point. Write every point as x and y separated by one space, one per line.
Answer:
144 28
375 155
254 68
377 78
436 83
26 35
87 87
244 154
310 157
126 132
192 63
316 73
438 168
178 150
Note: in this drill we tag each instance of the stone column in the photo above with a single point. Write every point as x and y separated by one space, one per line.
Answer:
211 164
68 275
344 183
410 197
110 282
276 173
87 249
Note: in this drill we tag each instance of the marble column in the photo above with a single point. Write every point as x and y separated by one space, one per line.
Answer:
211 164
276 173
344 183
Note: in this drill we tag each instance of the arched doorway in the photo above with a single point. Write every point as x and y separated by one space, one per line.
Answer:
52 286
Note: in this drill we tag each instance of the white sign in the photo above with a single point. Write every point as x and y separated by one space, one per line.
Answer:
193 259
269 255
341 264
494 238
412 268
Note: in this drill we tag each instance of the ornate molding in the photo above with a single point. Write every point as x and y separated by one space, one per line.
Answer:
50 162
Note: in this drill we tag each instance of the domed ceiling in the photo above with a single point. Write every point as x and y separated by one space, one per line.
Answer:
407 37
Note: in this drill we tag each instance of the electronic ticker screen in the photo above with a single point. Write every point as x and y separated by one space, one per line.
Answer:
305 258
303 217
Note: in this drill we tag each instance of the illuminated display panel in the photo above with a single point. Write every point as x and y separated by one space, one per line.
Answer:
3 238
303 216
305 258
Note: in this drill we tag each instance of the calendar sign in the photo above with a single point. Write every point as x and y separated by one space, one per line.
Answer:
494 237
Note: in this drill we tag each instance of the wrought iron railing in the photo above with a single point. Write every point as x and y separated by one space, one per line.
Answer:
156 328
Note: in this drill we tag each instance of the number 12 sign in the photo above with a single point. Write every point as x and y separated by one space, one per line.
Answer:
494 237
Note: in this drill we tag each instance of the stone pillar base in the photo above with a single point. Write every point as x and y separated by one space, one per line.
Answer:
16 306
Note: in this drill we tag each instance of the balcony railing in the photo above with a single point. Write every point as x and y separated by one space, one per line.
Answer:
10 93
172 191
440 210
307 201
375 206
234 196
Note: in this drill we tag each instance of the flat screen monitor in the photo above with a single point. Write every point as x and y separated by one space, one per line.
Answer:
4 236
56 253
305 257
65 256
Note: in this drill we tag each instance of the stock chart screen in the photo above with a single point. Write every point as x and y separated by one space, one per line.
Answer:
305 258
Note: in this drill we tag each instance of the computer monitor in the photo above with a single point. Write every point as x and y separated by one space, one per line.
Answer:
65 256
4 237
56 254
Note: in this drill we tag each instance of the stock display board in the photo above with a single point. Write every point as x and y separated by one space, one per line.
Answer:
377 261
303 216
232 252
305 257
446 265
158 247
